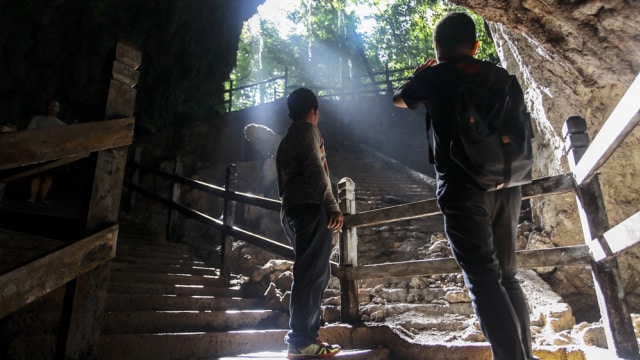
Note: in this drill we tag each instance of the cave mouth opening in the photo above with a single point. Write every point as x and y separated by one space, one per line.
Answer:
327 45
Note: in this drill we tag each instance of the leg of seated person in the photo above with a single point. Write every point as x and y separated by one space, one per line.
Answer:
44 189
35 185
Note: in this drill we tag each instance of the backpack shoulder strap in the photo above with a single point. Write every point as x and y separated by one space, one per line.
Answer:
432 158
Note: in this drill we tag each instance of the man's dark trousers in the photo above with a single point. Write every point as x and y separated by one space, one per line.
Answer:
481 227
305 226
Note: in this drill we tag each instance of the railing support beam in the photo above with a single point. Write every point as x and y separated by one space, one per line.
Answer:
176 193
227 222
349 311
610 292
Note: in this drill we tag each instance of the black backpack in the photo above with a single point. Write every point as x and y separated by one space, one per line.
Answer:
493 138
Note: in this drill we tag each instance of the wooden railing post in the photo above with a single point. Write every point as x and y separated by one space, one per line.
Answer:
616 317
175 197
85 297
228 214
348 253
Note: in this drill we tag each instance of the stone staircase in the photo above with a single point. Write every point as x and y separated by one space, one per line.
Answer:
381 181
163 303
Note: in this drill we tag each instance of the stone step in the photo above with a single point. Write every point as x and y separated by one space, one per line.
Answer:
150 322
32 323
151 253
168 289
269 345
148 254
372 354
166 278
264 345
149 302
142 240
189 345
138 259
164 268
128 241
159 346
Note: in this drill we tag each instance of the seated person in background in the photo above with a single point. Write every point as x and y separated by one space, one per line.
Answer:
6 128
41 183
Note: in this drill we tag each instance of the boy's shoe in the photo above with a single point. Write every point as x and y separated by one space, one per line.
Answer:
313 351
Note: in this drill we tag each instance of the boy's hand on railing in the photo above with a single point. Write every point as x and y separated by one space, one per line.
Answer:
336 219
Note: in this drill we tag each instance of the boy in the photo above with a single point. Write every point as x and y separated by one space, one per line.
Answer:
309 214
481 226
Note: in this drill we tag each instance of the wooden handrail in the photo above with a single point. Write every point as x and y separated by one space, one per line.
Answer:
560 256
41 168
620 123
35 146
36 279
543 186
261 241
539 187
249 199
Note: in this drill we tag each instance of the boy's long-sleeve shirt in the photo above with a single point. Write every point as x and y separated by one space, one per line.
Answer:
303 173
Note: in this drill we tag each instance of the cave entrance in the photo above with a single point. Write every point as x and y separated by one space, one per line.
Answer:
336 48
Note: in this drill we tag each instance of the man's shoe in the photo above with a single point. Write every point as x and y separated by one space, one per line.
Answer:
313 351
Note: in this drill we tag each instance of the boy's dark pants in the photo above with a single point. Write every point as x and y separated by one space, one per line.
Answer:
305 226
481 227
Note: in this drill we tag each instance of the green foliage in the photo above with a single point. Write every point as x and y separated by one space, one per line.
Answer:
330 47
403 37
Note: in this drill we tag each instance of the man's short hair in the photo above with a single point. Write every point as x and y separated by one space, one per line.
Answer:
300 102
454 30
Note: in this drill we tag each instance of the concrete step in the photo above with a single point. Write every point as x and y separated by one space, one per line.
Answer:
150 322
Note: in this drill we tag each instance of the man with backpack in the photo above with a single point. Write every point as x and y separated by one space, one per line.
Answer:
480 220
